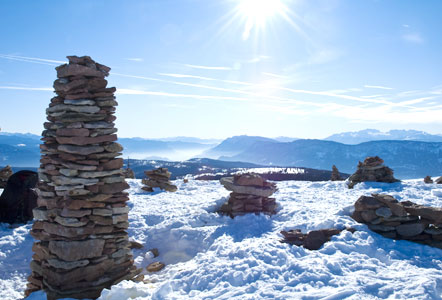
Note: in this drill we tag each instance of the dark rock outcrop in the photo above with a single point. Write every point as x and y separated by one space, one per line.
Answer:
312 240
5 173
19 198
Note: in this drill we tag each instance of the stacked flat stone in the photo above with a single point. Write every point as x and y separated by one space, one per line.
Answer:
5 173
400 220
372 169
82 216
335 175
250 194
158 178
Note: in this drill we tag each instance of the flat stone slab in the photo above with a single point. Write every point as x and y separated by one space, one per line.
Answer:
155 266
227 182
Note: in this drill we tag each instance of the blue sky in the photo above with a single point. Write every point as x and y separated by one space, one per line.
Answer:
219 68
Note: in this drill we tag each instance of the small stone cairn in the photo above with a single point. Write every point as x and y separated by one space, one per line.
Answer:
5 173
128 173
400 220
428 179
82 216
158 178
250 194
372 169
335 176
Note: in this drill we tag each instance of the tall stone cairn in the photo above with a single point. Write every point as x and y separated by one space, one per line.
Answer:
82 216
249 194
372 169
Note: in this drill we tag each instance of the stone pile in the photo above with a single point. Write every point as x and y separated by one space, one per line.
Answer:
158 178
250 194
400 220
335 175
428 179
82 216
128 173
5 173
372 169
312 240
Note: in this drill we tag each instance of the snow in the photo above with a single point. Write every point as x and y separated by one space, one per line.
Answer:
209 256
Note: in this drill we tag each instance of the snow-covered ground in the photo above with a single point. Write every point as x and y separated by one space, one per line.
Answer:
209 256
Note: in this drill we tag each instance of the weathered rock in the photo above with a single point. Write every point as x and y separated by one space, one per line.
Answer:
155 266
428 179
410 229
266 191
80 149
312 240
430 213
67 265
366 203
249 179
383 212
67 70
77 250
70 222
439 180
335 175
372 169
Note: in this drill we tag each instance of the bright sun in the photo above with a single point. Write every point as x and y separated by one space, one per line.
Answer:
258 12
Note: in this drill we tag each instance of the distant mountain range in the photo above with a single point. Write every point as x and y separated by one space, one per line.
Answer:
234 145
408 159
369 135
411 154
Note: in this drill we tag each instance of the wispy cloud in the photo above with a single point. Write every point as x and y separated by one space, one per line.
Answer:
177 95
396 108
137 59
208 67
274 75
415 38
26 88
257 59
35 60
175 75
378 87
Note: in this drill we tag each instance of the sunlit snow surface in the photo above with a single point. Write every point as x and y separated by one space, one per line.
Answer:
209 256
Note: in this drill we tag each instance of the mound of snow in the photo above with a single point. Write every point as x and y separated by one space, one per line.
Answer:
209 256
